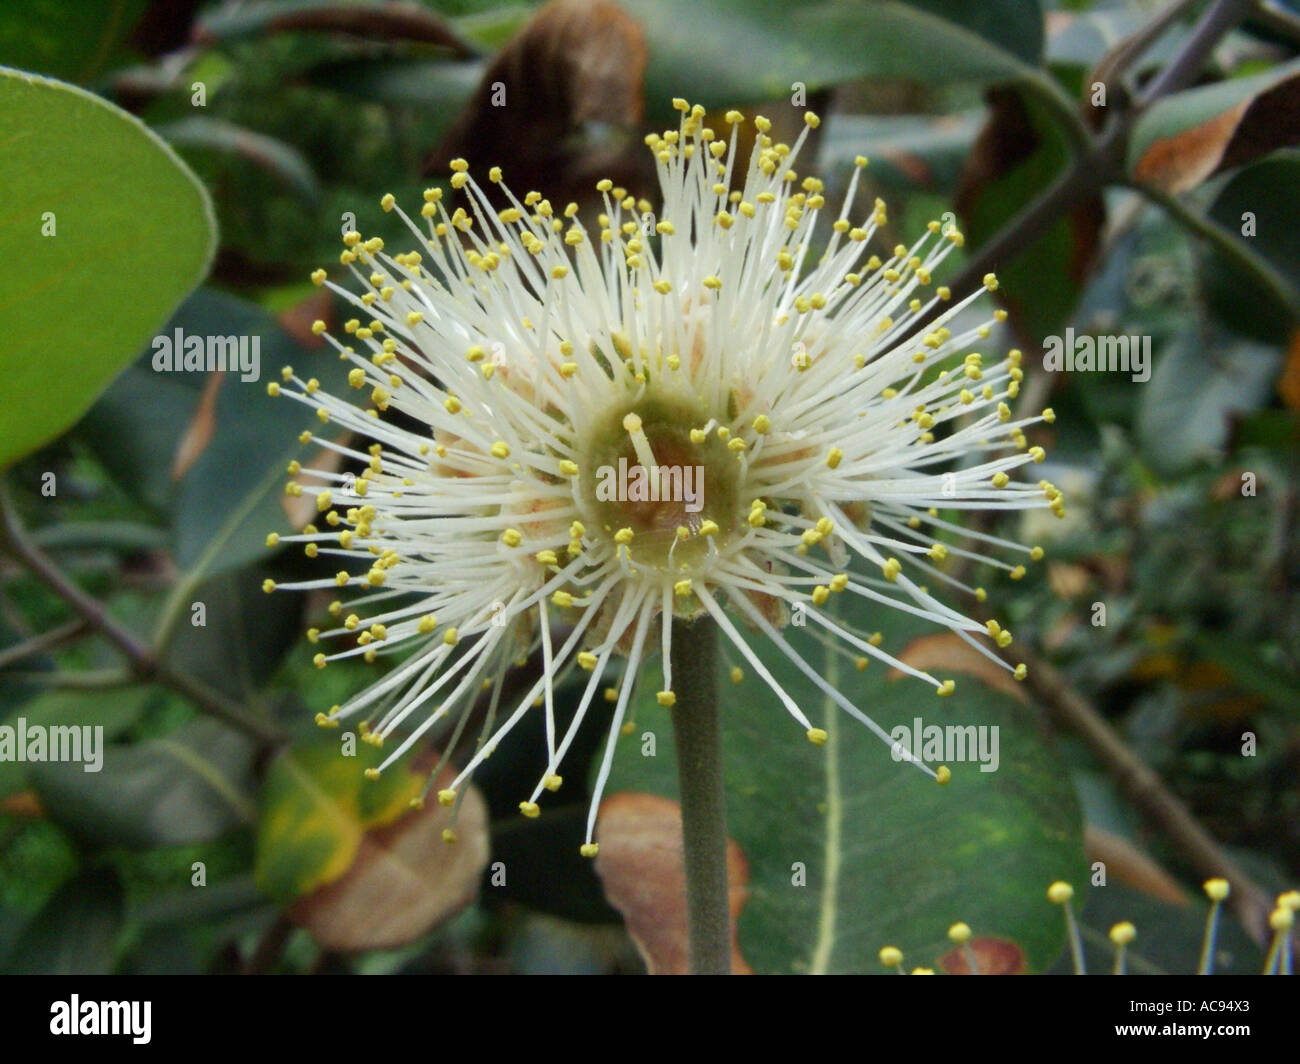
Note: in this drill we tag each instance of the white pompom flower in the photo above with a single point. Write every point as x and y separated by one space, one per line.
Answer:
672 418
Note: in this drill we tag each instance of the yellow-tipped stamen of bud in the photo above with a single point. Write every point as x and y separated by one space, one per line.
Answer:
1120 936
1060 893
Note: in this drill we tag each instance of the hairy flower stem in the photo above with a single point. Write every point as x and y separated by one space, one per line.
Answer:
697 733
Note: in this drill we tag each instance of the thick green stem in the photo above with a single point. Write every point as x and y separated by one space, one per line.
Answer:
697 736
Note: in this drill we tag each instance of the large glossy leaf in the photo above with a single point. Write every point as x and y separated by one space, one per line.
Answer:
888 857
1184 415
1258 206
693 47
213 452
114 710
115 230
189 786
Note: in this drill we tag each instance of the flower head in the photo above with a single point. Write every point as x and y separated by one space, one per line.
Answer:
674 417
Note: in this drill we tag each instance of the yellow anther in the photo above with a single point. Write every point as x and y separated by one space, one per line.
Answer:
500 450
666 698
942 775
1000 480
891 569
529 809
817 736
945 689
1123 933
589 849
959 933
891 957
587 660
1217 889
1060 892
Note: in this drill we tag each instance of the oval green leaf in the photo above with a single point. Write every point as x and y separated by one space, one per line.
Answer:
114 231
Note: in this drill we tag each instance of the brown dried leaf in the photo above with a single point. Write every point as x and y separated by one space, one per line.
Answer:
640 866
198 433
1288 384
24 805
993 956
1127 863
1254 127
297 320
405 879
947 653
576 68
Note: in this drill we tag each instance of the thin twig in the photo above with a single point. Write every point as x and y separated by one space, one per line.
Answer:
1102 163
142 660
1144 787
43 643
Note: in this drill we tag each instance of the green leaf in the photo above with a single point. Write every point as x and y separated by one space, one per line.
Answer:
68 38
1184 416
693 48
189 786
133 232
77 931
907 152
1262 195
115 710
227 496
890 857
316 805
283 161
246 632
441 86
